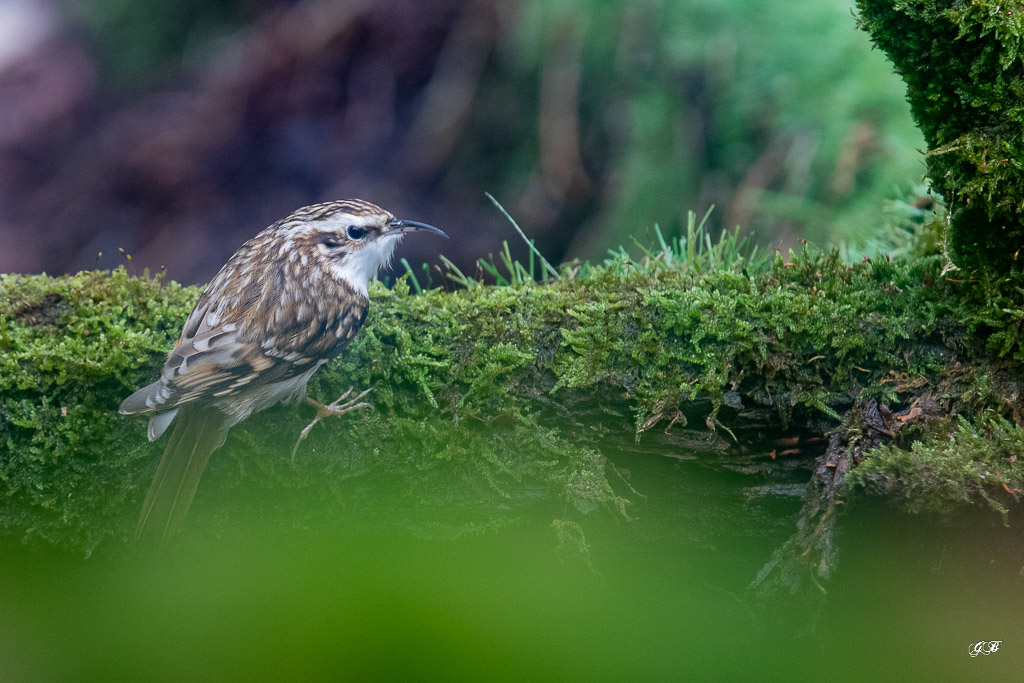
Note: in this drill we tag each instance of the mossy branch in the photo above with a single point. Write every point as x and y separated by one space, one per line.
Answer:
511 386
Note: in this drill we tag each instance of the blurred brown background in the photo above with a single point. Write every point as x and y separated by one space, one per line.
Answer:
177 130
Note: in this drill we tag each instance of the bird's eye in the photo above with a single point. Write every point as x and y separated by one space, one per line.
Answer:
355 233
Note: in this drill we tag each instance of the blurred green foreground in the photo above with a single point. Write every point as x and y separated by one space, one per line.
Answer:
662 596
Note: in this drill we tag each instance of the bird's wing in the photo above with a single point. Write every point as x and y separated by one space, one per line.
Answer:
231 345
209 366
213 358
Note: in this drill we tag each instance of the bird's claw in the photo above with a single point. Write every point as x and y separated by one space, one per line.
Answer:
337 408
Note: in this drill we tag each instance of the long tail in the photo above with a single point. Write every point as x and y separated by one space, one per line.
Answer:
198 433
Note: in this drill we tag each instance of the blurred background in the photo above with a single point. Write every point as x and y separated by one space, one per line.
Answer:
177 130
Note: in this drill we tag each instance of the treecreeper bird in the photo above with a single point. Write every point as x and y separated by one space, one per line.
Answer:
287 302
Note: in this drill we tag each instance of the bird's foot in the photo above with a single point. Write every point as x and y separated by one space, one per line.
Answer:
339 407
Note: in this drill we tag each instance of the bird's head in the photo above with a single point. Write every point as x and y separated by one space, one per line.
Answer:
355 237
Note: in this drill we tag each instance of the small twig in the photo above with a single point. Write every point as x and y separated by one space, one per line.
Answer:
624 480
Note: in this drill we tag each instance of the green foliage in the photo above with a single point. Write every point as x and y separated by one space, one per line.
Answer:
956 464
756 106
962 63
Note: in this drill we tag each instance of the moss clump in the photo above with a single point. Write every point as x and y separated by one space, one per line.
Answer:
962 63
68 348
955 464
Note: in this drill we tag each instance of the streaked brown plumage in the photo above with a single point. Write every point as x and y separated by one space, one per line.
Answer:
286 302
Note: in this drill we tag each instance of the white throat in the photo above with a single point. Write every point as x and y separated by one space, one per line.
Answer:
359 268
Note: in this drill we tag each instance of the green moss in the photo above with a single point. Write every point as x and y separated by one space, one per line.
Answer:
962 63
955 464
497 393
70 348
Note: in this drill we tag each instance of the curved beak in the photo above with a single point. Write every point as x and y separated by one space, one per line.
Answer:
398 227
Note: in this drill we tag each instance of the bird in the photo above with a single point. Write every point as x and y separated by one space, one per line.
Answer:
289 300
